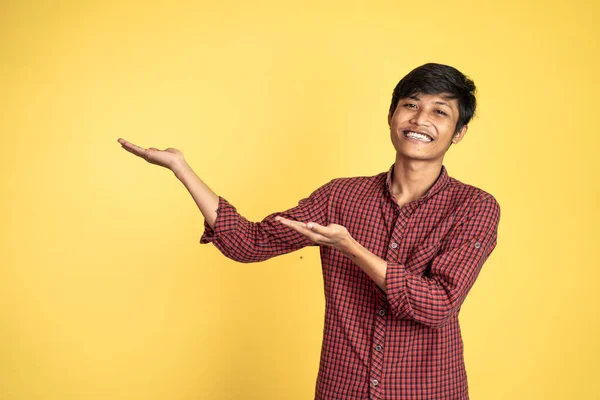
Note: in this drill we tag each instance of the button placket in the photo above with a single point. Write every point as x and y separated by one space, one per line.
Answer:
376 371
380 323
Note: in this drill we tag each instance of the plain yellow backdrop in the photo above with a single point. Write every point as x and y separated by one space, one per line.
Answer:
105 291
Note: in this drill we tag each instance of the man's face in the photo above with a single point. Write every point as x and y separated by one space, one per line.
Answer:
422 126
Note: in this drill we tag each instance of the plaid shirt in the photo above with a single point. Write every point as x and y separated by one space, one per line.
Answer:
403 344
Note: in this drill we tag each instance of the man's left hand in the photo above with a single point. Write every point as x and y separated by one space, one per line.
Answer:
333 235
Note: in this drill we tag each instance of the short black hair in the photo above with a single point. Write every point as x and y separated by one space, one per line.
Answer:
434 78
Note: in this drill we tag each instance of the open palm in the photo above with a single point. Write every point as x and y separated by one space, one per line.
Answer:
168 158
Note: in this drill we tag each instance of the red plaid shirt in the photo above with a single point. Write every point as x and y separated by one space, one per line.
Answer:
403 344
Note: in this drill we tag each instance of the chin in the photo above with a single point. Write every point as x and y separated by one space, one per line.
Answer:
411 151
418 157
414 155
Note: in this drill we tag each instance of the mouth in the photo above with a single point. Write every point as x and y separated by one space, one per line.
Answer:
422 137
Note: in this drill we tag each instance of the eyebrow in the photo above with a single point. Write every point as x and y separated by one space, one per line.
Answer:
441 103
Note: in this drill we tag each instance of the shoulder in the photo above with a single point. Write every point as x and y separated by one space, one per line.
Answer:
356 191
474 200
358 182
348 186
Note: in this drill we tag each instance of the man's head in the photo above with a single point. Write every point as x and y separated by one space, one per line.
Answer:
436 100
436 79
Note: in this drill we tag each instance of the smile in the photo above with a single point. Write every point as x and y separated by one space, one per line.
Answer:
418 136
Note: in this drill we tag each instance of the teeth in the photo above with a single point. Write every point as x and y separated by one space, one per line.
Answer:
419 136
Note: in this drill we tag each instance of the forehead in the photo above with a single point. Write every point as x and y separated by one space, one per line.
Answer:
436 98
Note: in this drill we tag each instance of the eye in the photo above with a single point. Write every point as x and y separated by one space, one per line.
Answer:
440 112
410 105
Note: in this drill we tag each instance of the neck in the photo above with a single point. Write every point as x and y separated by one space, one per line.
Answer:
413 178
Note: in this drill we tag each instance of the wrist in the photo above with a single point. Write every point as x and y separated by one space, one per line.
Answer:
180 169
350 248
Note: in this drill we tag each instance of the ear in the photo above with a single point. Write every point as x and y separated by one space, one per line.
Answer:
390 119
460 134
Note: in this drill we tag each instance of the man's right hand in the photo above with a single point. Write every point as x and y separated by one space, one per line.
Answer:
169 158
206 200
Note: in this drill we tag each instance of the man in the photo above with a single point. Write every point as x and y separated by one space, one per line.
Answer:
400 250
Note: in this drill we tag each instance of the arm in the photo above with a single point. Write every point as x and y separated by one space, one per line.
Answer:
245 241
235 236
173 159
434 298
206 200
429 299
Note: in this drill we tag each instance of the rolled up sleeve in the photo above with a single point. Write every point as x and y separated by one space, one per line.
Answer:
245 241
433 298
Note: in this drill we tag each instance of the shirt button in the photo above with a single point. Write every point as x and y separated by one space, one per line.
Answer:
375 382
394 245
381 312
378 347
477 245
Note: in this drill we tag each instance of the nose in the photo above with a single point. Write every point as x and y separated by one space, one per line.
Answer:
419 118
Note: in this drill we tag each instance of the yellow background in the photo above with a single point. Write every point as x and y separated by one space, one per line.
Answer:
105 291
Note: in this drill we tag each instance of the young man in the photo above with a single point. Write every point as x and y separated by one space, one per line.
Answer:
400 250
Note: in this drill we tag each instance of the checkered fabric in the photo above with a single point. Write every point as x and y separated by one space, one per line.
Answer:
405 343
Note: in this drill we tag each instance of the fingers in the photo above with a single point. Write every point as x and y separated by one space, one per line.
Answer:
313 226
288 221
292 224
301 227
320 231
132 148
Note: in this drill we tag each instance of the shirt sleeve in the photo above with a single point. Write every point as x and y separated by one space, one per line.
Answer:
245 241
432 299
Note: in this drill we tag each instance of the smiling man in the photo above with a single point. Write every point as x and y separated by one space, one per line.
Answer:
400 250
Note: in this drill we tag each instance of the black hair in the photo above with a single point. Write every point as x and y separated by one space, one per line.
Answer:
434 78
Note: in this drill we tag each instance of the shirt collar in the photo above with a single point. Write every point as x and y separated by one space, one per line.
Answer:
441 182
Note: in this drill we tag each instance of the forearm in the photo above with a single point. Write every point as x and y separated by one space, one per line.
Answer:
206 200
372 265
426 302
